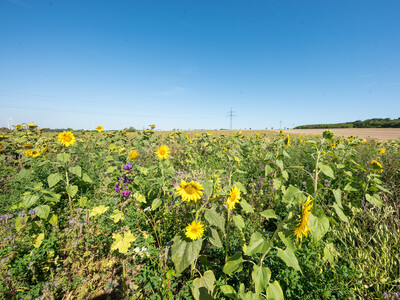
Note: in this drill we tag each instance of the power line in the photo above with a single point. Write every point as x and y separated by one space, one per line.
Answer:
231 115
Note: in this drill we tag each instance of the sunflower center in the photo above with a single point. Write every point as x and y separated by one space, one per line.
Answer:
67 138
190 190
162 152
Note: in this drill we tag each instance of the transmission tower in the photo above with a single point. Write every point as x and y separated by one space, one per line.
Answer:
231 114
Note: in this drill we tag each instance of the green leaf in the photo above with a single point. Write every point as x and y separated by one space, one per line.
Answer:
43 211
338 197
86 178
29 200
98 210
289 258
82 201
239 222
117 216
204 286
257 244
214 218
37 240
249 296
246 206
269 214
234 264
274 291
327 170
53 179
293 195
53 220
319 226
184 252
208 187
350 187
374 199
330 253
71 190
139 198
276 183
268 170
77 170
287 240
214 237
285 175
156 203
122 243
63 157
228 291
261 277
279 163
383 189
340 213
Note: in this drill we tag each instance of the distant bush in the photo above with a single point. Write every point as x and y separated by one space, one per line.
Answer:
370 123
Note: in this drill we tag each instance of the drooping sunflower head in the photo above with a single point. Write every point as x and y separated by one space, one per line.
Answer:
194 230
32 125
99 128
190 191
233 198
287 141
301 228
18 127
133 154
66 138
376 166
163 152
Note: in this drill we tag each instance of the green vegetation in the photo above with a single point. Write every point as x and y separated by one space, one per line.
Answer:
111 215
370 123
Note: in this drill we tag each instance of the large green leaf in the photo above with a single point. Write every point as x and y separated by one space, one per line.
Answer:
86 178
319 226
29 200
43 211
274 291
53 179
257 244
204 286
214 237
338 197
269 214
184 251
374 199
228 291
233 264
239 222
156 203
287 239
77 170
246 206
340 213
215 218
63 157
261 277
293 195
327 170
208 187
289 258
72 190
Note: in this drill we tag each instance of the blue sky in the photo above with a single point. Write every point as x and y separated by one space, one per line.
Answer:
185 64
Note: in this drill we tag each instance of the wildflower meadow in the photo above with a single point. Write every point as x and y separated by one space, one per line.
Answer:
186 215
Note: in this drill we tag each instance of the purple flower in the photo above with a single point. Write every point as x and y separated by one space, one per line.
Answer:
125 179
117 188
22 213
125 193
33 211
130 180
304 182
128 166
173 182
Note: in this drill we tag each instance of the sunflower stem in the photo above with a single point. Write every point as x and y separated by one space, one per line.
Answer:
69 198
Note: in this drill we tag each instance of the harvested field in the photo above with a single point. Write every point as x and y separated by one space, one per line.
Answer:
383 134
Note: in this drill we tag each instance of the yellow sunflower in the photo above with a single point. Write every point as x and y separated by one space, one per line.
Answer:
133 154
35 153
18 127
194 230
99 128
66 138
302 225
32 125
233 198
28 153
381 151
287 141
163 152
189 191
152 126
376 166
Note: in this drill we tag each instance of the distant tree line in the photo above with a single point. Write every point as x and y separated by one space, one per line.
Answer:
370 123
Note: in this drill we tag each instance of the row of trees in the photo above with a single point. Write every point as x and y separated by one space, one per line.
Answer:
370 123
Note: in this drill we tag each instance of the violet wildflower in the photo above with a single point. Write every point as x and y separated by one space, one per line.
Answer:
125 193
22 213
32 212
173 182
117 188
128 166
304 182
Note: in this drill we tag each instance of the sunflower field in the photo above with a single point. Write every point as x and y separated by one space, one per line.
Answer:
186 215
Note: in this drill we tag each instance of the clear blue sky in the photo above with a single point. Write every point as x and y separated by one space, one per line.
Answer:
185 64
